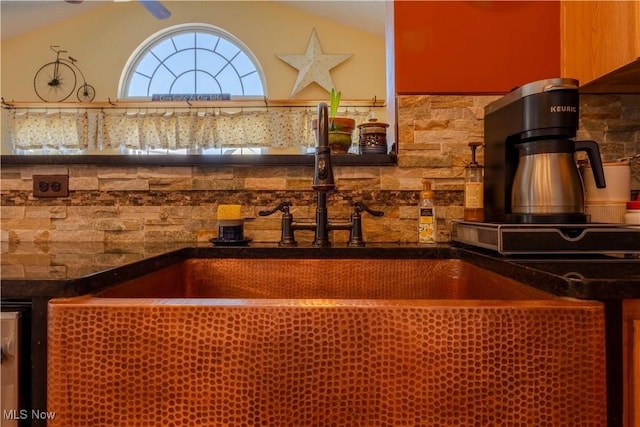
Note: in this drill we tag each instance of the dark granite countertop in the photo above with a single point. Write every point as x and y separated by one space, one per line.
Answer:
68 269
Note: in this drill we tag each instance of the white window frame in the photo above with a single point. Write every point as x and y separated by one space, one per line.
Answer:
139 53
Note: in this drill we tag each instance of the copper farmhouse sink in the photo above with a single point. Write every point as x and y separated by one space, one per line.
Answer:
319 342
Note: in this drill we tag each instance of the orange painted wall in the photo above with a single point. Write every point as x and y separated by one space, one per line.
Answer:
474 46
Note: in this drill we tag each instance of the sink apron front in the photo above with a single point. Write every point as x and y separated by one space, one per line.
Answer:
456 359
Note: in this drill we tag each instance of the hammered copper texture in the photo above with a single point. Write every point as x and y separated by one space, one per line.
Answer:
207 362
325 278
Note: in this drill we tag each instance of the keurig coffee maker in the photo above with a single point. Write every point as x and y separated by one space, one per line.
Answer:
531 175
533 195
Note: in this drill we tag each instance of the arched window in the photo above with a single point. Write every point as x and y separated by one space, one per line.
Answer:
192 59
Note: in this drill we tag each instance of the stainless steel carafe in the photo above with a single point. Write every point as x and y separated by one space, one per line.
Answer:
547 181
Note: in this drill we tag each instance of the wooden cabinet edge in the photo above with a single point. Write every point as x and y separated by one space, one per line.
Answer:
580 43
634 392
631 361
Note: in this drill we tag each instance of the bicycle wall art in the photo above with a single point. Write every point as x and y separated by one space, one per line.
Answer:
57 80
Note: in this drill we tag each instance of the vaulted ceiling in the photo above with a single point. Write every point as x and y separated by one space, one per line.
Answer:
21 16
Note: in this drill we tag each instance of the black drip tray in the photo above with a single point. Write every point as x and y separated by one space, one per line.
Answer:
548 238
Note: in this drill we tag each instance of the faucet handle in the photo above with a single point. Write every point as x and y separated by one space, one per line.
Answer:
282 207
360 207
355 239
287 238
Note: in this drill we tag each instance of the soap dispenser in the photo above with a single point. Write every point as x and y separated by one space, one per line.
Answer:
427 215
473 188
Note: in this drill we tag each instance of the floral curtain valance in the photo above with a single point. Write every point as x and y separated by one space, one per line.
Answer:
141 130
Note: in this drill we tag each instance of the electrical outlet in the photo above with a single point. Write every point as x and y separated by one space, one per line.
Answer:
50 185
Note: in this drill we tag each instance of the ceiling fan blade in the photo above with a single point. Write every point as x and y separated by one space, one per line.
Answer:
156 8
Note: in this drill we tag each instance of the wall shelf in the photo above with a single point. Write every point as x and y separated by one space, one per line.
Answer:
199 160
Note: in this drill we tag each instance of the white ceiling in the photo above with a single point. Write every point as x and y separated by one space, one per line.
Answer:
22 16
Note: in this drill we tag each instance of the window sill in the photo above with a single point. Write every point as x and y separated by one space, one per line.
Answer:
200 160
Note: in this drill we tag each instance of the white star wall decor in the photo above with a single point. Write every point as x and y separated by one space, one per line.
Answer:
313 66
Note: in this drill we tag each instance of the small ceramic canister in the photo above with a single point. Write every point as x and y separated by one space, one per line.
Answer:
373 137
618 179
607 205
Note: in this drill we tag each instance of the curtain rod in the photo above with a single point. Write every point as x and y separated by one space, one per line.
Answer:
253 103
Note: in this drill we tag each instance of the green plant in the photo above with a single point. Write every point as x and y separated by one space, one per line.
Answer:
333 108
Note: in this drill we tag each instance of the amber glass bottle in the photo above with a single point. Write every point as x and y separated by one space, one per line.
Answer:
474 188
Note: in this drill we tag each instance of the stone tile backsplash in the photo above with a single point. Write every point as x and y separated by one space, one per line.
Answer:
122 204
